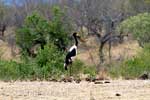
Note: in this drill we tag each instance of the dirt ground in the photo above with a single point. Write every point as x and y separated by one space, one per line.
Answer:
115 90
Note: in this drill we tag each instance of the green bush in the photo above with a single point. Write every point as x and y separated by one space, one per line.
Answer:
51 35
139 26
8 70
38 30
50 62
11 70
78 67
51 69
134 67
47 64
58 28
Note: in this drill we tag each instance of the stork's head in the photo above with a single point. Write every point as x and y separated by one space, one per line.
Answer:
75 34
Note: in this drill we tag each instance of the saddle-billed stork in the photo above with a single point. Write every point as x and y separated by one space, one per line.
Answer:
72 51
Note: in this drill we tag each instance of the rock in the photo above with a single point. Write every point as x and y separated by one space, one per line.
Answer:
117 94
69 80
63 80
144 76
98 82
107 82
54 80
88 79
78 80
39 93
94 79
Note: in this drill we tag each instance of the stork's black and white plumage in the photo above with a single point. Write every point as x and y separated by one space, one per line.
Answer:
72 51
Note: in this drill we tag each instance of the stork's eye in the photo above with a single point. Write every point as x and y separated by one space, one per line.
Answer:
77 34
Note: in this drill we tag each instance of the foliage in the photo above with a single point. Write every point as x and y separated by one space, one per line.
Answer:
8 70
147 1
59 28
133 68
139 26
79 67
38 30
50 62
35 29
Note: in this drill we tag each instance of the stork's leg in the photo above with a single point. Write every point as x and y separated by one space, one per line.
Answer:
70 70
70 66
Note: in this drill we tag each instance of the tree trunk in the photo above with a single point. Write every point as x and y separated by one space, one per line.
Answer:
109 51
101 55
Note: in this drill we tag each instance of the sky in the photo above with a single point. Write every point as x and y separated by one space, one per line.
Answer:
9 2
19 2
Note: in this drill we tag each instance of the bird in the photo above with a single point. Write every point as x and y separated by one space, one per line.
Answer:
72 51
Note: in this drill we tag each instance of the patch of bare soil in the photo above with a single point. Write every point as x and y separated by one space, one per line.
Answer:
112 90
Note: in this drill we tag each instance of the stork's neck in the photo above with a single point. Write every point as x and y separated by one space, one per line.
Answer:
76 40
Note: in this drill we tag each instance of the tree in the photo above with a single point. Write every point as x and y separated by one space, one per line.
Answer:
33 32
59 28
97 15
139 26
147 1
38 30
3 15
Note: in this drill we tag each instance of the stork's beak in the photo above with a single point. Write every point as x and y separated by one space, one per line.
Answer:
81 39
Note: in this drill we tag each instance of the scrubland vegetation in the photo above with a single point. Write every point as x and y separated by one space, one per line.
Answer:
43 34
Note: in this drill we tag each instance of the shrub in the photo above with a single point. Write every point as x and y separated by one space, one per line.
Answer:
38 30
8 70
79 67
51 35
34 31
133 68
51 69
58 28
139 26
50 62
11 70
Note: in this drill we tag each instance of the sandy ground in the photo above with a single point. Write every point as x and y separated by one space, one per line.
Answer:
128 90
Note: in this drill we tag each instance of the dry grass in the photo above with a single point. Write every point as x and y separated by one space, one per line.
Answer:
6 52
90 54
126 50
8 49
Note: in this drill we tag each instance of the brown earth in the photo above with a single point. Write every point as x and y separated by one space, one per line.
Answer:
115 90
